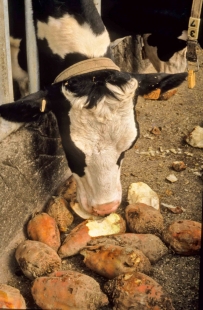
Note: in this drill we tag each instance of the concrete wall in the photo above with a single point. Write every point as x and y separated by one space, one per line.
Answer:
128 54
32 166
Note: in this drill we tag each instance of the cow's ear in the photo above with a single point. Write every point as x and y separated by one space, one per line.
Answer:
26 109
158 83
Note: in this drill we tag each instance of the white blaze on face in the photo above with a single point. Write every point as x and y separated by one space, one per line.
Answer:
64 35
102 133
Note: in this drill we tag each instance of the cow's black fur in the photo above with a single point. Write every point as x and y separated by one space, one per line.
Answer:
50 64
83 11
164 19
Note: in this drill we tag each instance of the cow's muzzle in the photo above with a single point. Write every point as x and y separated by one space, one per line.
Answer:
105 208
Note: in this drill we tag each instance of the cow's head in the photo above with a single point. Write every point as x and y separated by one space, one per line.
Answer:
96 119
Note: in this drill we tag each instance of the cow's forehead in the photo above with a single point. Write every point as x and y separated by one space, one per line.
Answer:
99 133
110 125
117 97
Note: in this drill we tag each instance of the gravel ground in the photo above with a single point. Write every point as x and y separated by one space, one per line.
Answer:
150 162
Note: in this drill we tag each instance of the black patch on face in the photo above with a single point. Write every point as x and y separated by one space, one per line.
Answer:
120 158
61 107
122 155
93 85
82 10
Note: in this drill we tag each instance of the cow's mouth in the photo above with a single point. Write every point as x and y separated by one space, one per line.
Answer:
84 210
97 211
81 211
106 208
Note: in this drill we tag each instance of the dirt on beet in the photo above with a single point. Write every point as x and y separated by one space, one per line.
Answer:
150 161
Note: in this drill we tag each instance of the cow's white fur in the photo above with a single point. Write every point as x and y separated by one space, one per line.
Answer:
64 35
176 64
102 133
18 73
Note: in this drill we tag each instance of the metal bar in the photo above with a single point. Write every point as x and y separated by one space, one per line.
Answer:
31 45
98 5
6 83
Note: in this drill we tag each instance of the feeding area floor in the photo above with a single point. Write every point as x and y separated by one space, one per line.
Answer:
150 161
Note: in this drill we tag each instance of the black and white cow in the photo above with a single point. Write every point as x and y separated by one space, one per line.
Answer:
95 109
66 31
162 23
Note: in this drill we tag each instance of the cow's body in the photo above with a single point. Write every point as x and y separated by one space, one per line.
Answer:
162 23
66 31
95 110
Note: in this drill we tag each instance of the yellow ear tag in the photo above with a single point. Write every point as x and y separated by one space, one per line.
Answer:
191 79
43 105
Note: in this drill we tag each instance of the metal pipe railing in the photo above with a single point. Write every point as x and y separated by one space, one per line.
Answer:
6 83
31 46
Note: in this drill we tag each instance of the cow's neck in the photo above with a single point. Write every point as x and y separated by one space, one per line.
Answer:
73 32
81 10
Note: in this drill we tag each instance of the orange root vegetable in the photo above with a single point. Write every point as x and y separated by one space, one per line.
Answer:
85 231
58 209
68 290
184 237
144 219
151 246
75 241
36 259
10 298
112 260
42 227
137 291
